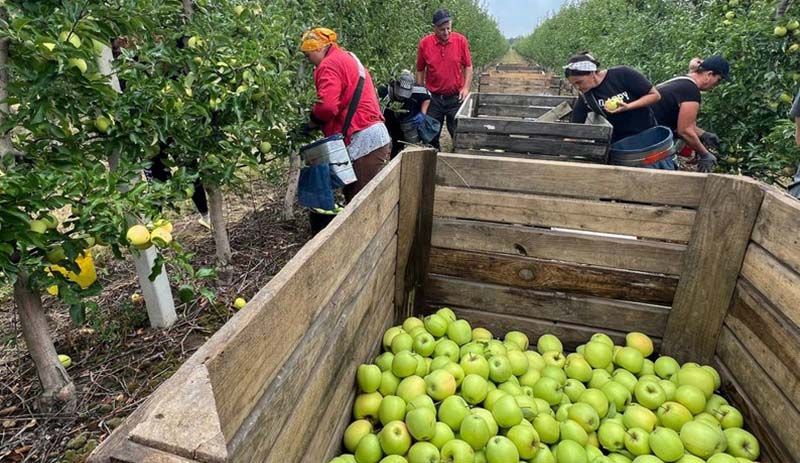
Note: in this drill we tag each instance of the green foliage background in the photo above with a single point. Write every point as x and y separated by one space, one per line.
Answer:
659 37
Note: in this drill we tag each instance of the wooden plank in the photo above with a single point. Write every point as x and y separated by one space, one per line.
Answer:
417 182
556 114
347 349
657 222
552 306
326 341
773 343
772 450
523 100
724 223
543 128
530 112
540 157
780 284
643 256
563 179
132 452
524 89
778 228
781 416
533 145
540 274
259 340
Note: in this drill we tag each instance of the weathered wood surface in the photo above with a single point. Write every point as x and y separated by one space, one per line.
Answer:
137 453
777 229
721 232
780 413
552 89
552 101
556 178
551 306
417 183
258 341
772 342
556 114
644 256
775 280
534 145
546 275
523 112
772 449
656 222
542 128
537 157
326 341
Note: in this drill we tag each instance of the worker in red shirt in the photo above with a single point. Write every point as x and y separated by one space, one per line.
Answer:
336 76
444 67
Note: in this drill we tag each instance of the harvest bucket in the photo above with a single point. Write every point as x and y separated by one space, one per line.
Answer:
642 149
333 151
410 132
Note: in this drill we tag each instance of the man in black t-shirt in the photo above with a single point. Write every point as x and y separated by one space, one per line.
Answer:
680 105
407 105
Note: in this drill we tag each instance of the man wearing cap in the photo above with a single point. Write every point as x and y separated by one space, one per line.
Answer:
336 76
444 66
411 102
680 105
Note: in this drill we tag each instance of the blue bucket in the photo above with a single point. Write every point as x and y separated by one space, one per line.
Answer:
642 149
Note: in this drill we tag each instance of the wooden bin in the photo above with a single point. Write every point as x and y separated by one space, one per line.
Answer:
524 81
504 125
708 265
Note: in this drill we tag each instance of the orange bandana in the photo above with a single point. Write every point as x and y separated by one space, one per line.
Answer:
317 39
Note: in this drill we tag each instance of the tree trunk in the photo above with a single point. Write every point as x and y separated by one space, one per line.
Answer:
58 391
216 211
291 188
783 6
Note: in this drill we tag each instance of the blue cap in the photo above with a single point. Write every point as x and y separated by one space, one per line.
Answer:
441 16
718 65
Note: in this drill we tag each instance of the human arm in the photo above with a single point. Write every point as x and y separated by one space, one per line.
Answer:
687 126
580 112
651 97
421 66
641 91
462 94
329 89
424 106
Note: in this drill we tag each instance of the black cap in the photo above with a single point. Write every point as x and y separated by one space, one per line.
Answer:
718 65
441 16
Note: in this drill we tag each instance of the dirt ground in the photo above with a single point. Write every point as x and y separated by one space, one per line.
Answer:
117 358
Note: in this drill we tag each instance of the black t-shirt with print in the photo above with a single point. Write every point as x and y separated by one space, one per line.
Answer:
629 85
674 92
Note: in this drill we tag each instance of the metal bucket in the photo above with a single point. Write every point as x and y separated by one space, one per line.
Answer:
641 149
410 132
333 151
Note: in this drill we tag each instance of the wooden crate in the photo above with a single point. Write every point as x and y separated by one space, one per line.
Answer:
520 81
708 265
504 125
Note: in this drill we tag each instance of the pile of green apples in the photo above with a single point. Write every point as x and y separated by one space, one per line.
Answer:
444 392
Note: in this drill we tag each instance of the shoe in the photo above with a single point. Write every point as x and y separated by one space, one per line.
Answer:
205 221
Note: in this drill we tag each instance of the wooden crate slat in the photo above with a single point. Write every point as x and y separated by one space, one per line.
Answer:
656 222
599 133
773 279
551 306
538 157
522 100
778 228
545 275
533 145
523 112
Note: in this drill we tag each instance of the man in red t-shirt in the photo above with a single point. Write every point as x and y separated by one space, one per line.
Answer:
444 66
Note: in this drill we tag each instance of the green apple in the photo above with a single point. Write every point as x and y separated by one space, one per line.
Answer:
722 458
648 368
637 441
572 430
598 354
779 31
447 348
714 402
452 410
472 347
423 452
435 325
421 423
488 418
447 313
669 388
457 451
535 360
543 455
597 399
421 401
530 378
691 397
554 372
366 406
393 459
708 418
481 334
602 337
742 444
611 436
368 377
411 387
619 458
402 342
474 431
640 342
510 346
519 338
518 362
439 362
102 124
729 417
700 438
649 394
547 427
570 451
576 367
548 343
629 358
562 413
78 63
617 394
573 389
495 347
384 361
585 415
626 378
554 358
593 452
506 412
424 344
455 370
689 458
412 322
636 416
714 374
354 432
392 408
666 444
501 449
666 366
599 378
647 459
369 449
440 385
394 438
673 415
525 439
389 383
474 389
548 389
404 364
528 406
499 369
389 335
697 377
442 435
423 364
492 396
459 332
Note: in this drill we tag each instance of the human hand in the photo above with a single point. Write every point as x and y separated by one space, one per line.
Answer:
463 94
706 162
710 140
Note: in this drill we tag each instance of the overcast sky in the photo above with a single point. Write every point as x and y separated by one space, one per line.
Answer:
518 17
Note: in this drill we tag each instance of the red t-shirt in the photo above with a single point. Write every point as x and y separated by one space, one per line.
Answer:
336 79
444 62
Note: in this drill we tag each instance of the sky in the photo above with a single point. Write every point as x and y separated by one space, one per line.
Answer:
519 17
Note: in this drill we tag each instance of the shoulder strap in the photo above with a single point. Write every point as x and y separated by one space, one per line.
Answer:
351 110
675 79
